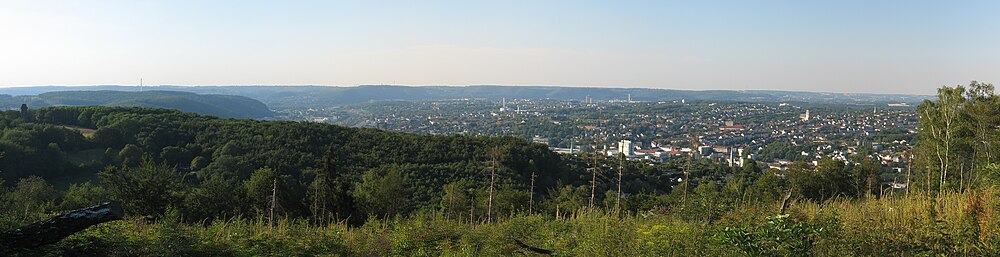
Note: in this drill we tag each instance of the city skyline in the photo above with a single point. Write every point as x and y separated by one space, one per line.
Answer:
905 47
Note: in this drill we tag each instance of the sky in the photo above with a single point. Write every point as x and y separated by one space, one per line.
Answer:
908 47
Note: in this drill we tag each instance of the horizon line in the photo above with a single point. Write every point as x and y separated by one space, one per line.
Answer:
471 85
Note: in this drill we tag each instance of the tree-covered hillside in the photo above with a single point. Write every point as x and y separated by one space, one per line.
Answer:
225 106
155 159
207 150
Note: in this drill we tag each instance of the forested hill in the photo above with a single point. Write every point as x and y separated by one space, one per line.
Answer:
226 153
326 96
226 106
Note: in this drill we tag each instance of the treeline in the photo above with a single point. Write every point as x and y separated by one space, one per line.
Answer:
226 106
187 155
958 136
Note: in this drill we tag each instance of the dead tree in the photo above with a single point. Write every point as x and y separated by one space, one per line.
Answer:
274 201
52 230
593 172
621 169
784 203
531 196
494 164
909 168
472 209
687 172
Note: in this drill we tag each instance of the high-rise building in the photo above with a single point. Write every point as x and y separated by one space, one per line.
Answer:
626 147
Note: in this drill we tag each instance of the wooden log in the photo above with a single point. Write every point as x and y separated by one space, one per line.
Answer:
59 227
784 203
531 248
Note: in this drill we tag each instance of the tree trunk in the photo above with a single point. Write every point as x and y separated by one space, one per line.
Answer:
909 168
274 201
489 207
531 196
621 169
55 229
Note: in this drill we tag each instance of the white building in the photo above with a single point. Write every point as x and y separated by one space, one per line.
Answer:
626 147
540 140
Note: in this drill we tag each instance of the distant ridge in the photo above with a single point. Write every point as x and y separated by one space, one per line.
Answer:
224 106
326 96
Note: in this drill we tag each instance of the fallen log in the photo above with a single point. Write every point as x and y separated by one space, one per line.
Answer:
59 227
532 248
784 203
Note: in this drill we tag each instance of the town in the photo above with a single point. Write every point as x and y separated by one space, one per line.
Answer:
772 134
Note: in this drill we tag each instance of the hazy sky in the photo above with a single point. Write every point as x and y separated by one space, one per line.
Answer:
839 46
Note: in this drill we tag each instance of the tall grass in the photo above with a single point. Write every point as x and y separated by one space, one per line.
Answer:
916 225
919 224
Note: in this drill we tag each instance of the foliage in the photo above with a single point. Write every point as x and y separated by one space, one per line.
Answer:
777 237
83 195
31 199
901 225
957 136
216 105
144 190
382 193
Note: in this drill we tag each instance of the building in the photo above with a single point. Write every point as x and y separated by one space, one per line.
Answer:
24 112
731 128
705 150
656 155
626 147
805 117
735 157
563 150
541 140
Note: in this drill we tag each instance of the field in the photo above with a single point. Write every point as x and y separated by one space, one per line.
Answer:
86 132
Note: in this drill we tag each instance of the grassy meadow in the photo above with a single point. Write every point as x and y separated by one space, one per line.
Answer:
959 224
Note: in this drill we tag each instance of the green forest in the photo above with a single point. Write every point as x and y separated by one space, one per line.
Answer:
226 106
194 185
